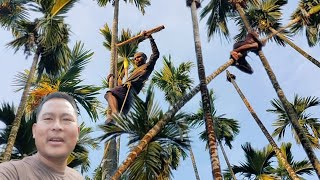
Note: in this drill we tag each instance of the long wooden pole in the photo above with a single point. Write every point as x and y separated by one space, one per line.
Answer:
149 32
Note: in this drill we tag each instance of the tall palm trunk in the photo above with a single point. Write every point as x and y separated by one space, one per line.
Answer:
280 156
194 164
286 104
227 161
206 105
162 122
312 11
297 48
17 120
110 156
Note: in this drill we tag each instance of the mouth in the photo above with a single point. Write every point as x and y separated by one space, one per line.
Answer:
56 140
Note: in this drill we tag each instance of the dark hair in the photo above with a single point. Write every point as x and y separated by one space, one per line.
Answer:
57 95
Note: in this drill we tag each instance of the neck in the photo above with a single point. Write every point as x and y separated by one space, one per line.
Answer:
57 164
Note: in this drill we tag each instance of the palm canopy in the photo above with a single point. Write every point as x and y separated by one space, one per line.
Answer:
262 16
310 124
226 129
257 164
164 151
47 35
12 11
218 12
311 24
24 144
80 154
125 52
140 4
174 82
300 167
68 80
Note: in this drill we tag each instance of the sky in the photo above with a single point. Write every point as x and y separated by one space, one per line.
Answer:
295 74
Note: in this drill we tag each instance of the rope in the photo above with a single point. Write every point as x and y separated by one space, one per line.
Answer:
125 98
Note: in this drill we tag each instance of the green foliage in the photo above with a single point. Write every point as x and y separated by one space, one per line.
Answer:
163 152
174 82
309 23
311 125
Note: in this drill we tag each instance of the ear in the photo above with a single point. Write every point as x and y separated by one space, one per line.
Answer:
34 126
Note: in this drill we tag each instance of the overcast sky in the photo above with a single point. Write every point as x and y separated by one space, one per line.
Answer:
295 74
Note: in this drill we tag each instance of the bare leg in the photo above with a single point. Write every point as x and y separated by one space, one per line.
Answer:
113 103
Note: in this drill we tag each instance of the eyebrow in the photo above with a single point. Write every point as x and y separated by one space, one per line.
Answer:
52 114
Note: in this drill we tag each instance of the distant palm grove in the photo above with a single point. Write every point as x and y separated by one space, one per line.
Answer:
159 134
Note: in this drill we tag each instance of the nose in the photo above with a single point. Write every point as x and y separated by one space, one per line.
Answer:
57 126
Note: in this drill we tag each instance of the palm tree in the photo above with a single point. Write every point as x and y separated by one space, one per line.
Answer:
162 154
43 39
125 52
175 82
286 104
300 167
25 145
12 12
257 165
80 154
280 156
225 128
311 125
167 116
309 23
265 17
212 140
109 164
68 80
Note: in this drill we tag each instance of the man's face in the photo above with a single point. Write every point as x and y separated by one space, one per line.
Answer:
139 59
56 131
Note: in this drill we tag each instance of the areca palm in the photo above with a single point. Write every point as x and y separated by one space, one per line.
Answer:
225 128
300 167
125 52
218 12
311 125
68 80
24 144
12 12
265 17
110 157
281 157
162 154
286 104
257 164
311 24
174 82
212 140
46 37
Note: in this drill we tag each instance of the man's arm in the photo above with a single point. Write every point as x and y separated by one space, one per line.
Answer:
155 52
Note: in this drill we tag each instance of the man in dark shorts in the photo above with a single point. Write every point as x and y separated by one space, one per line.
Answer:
241 49
120 97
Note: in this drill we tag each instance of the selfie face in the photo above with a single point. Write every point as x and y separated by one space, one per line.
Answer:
56 131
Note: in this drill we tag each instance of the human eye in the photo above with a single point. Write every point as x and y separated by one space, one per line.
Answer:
47 118
67 119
